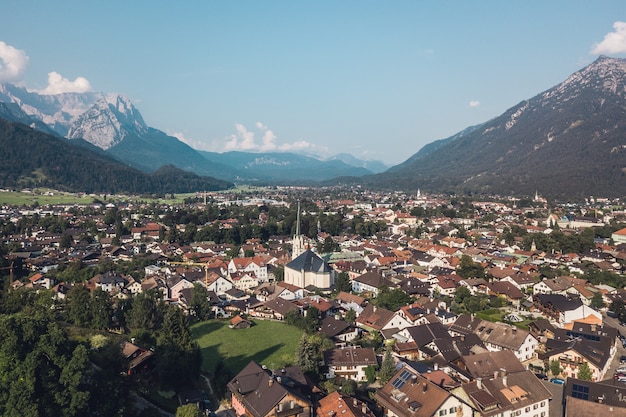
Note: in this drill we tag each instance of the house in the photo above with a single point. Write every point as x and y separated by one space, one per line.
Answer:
498 336
259 392
276 308
255 265
338 404
109 282
41 280
138 359
409 394
216 282
565 309
239 322
350 362
582 343
374 318
244 280
370 282
506 394
337 330
587 398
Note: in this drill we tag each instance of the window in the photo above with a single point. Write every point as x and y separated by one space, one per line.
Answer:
452 410
535 406
443 412
527 409
543 403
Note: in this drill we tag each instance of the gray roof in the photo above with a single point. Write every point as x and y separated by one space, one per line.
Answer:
309 261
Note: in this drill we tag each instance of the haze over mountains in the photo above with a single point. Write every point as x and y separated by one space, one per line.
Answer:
569 141
112 123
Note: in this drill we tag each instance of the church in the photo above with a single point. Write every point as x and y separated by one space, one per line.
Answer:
307 268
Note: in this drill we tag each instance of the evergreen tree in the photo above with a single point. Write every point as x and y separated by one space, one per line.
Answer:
387 368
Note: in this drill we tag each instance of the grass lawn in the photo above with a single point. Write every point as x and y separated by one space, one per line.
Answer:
267 342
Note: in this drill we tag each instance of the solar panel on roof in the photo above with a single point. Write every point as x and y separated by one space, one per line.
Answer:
401 379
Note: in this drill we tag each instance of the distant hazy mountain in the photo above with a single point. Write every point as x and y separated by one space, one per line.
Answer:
112 123
569 141
282 167
371 165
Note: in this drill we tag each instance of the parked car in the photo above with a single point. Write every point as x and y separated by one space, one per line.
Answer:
542 376
622 359
558 381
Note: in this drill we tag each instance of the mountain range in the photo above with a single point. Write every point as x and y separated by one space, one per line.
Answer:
566 142
112 123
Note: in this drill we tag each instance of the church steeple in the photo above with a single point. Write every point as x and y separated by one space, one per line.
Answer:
297 245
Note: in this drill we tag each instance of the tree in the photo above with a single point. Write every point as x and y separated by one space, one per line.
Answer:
584 372
391 299
370 374
310 350
597 301
79 306
555 367
199 304
343 283
189 410
312 320
469 269
348 387
178 356
387 368
350 316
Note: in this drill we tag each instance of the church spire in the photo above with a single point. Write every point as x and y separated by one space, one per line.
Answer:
298 220
297 245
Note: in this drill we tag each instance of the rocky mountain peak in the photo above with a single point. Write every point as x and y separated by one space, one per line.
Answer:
111 118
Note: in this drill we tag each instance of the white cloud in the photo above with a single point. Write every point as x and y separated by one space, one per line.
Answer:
13 62
613 42
474 103
244 140
57 85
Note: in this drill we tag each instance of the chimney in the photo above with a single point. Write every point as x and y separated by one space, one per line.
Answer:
479 383
413 379
495 374
504 381
270 382
355 402
436 366
364 408
425 387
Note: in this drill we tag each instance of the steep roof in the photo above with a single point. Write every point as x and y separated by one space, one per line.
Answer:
309 261
259 390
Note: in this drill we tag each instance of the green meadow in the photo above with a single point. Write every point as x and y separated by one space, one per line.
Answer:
267 342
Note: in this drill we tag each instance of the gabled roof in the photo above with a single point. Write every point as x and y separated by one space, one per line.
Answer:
356 356
331 327
410 394
374 317
258 390
337 404
484 365
309 261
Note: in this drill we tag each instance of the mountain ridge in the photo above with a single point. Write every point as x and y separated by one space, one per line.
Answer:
566 141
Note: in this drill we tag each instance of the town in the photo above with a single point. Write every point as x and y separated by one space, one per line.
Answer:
386 304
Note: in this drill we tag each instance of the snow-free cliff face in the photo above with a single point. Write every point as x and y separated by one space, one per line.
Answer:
108 122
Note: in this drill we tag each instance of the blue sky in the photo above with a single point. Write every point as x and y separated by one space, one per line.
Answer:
377 79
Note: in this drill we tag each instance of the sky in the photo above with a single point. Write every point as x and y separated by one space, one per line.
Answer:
376 79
